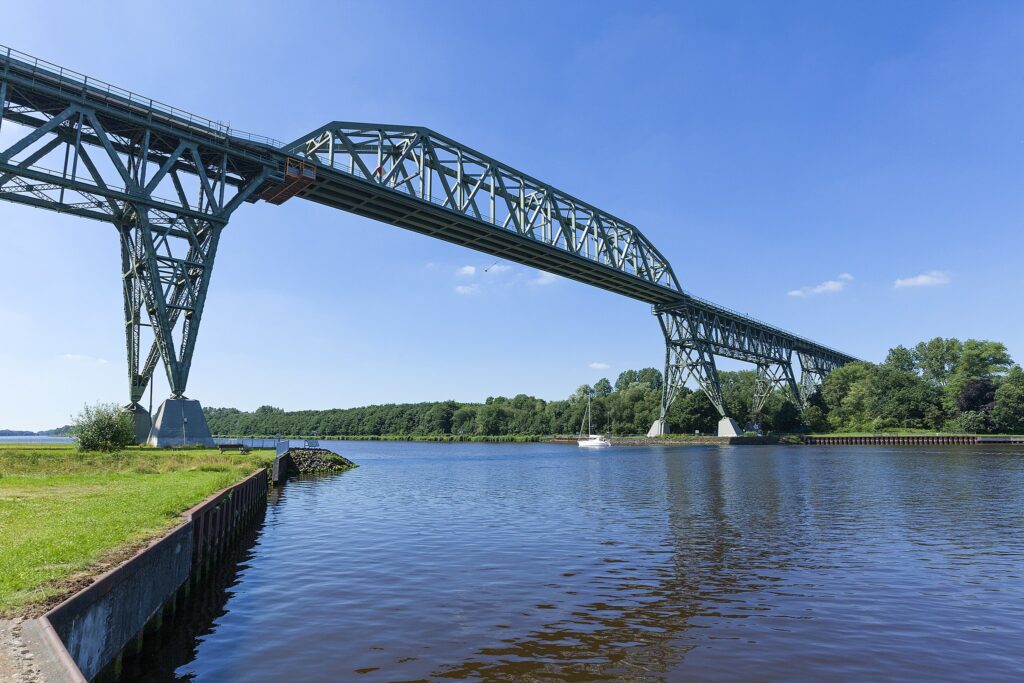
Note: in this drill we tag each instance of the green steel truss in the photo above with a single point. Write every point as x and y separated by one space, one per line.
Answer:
167 186
423 181
169 181
696 331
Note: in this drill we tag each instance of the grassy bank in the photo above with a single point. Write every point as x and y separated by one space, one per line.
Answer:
65 515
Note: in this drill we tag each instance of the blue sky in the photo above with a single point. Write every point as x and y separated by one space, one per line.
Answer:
849 171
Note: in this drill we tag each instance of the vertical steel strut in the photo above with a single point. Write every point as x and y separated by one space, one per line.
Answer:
769 377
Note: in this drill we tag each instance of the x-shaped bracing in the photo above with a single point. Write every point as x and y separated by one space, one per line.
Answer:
168 195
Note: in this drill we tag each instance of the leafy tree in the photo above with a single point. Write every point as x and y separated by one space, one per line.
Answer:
603 387
901 358
816 414
785 418
581 394
738 392
847 391
493 419
269 410
815 419
464 420
969 422
438 418
938 358
626 379
103 427
692 412
650 378
1008 410
979 359
977 395
898 398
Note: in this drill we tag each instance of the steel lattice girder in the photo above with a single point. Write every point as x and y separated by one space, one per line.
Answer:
113 165
733 335
696 331
426 182
813 370
770 376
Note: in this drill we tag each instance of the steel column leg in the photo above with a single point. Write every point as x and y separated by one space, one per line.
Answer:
3 102
769 376
812 373
685 357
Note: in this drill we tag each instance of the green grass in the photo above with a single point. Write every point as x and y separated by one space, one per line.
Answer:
62 512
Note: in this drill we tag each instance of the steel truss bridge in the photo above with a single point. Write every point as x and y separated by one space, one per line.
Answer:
169 182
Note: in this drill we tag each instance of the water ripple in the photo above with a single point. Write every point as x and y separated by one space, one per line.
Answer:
542 563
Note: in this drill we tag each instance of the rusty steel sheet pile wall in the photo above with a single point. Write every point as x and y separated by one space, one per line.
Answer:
893 440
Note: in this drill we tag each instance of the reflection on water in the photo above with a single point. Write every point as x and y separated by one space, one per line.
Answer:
540 563
194 615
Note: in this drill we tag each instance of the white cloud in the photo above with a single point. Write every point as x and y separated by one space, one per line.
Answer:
466 290
826 287
80 358
497 269
597 365
932 278
466 271
544 279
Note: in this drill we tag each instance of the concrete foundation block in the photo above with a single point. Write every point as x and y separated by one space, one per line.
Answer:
728 427
141 418
179 422
659 428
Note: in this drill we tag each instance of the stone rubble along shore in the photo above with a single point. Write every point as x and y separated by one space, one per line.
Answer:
309 460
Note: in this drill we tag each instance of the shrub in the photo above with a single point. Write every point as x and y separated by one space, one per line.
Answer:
103 427
969 422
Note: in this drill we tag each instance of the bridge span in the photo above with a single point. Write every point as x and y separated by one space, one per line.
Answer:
169 182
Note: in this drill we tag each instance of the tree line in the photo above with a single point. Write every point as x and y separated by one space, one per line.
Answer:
943 385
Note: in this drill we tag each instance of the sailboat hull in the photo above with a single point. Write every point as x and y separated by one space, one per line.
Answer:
592 440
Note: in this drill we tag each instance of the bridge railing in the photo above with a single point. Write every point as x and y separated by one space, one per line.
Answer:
59 77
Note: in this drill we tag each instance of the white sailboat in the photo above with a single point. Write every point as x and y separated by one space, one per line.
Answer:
592 440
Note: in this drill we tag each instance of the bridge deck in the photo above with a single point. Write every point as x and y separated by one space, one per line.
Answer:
347 192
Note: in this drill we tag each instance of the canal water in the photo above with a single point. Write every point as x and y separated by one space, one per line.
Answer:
540 562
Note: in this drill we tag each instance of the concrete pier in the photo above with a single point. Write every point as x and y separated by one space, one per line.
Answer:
659 428
142 420
179 422
728 427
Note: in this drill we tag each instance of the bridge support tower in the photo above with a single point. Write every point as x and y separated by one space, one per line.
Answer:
167 185
695 332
